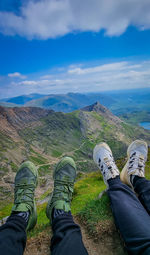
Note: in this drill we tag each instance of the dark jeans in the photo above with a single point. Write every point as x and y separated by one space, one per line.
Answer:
67 238
131 217
13 236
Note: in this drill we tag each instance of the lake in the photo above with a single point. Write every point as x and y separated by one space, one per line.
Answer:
145 125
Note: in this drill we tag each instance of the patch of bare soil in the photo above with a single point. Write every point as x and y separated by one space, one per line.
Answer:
106 242
39 245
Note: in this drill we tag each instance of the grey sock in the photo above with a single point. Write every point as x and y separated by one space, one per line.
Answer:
24 215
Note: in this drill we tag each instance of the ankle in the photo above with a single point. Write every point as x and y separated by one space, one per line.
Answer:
134 179
115 180
58 213
24 215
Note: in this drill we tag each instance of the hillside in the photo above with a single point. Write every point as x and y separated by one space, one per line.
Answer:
135 117
21 100
44 136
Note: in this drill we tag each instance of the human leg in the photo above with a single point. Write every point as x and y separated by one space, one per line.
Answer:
133 173
142 188
23 216
131 218
67 238
13 236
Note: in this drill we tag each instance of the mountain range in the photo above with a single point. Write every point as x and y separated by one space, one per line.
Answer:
119 102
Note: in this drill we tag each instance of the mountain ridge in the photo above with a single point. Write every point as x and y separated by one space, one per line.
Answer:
58 102
44 136
119 101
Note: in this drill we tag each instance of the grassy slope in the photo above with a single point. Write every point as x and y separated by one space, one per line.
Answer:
85 203
56 132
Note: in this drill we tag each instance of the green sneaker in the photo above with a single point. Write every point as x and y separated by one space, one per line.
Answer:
64 177
26 181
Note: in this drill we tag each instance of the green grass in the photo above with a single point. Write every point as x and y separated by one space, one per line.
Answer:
56 153
6 142
14 167
104 124
58 133
42 221
46 169
5 211
96 210
86 190
147 166
38 160
86 166
45 194
136 117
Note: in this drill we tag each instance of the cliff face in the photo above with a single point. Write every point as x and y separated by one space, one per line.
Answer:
14 119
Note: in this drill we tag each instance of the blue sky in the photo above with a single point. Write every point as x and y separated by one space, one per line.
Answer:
53 46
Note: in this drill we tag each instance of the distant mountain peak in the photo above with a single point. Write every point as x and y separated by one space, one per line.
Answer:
101 110
96 107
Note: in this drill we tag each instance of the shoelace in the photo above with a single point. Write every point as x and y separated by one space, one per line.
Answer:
24 193
61 187
109 164
136 162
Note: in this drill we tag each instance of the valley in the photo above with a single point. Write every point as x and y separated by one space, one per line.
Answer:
44 136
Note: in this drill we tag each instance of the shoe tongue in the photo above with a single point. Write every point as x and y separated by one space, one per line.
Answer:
21 208
141 156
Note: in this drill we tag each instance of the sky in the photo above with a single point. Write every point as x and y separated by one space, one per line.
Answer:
60 46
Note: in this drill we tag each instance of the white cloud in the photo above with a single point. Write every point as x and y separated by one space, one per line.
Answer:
101 68
77 78
51 18
28 83
16 75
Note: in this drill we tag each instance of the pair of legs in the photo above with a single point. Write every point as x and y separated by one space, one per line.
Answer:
131 213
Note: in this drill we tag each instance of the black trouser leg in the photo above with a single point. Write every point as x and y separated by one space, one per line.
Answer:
142 188
67 238
131 218
13 236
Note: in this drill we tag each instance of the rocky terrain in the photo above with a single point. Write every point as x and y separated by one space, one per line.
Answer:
44 136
